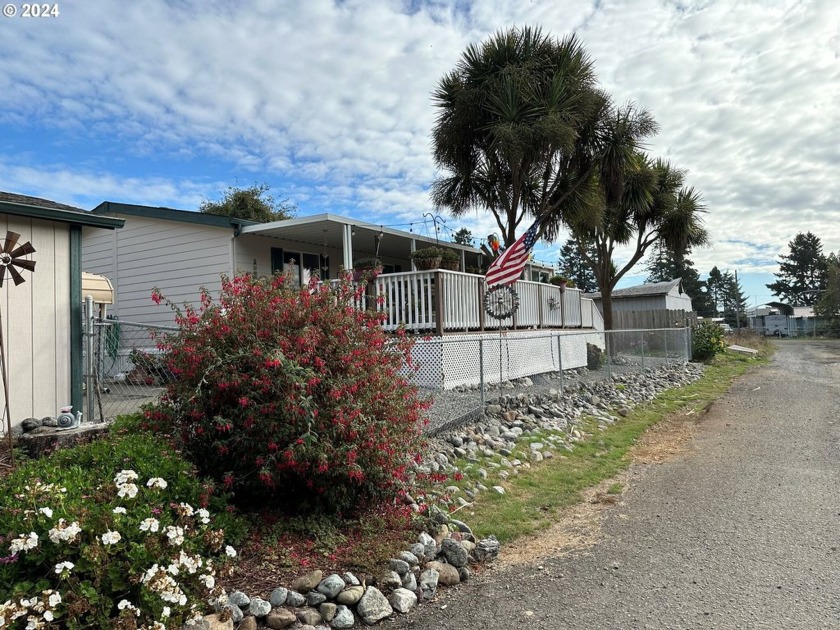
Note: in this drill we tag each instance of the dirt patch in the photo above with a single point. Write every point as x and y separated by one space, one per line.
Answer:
579 526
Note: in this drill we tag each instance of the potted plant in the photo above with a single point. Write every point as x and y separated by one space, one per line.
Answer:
366 269
449 259
561 282
427 258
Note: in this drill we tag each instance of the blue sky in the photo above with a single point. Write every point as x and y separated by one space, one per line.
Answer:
168 103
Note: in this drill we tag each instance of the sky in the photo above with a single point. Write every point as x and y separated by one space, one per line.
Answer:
329 103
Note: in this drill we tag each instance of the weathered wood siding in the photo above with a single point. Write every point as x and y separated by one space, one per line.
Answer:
36 322
645 320
176 257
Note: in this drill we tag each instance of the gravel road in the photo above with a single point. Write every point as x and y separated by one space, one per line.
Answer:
742 530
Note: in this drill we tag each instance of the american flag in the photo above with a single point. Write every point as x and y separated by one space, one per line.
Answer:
507 268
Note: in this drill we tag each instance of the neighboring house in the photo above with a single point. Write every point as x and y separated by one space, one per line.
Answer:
179 251
662 297
42 316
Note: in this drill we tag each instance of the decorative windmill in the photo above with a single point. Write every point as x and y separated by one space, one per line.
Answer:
11 256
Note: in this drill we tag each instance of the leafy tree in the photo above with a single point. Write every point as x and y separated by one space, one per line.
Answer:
521 130
463 237
572 265
644 203
802 273
253 204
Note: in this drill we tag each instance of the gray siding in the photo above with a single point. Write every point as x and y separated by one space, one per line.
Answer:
36 322
644 303
178 258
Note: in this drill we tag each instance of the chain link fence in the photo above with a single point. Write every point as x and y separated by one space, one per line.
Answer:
464 372
125 370
123 367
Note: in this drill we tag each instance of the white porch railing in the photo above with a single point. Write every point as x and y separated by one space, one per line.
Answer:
443 301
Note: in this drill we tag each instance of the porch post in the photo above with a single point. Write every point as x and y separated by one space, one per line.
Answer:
439 323
347 246
413 249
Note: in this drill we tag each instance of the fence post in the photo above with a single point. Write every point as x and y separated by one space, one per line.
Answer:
439 323
642 346
89 393
481 369
609 342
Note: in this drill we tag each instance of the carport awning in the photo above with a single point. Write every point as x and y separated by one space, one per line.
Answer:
98 287
784 309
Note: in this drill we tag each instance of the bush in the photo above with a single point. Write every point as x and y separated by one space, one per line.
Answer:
707 340
291 396
112 534
595 357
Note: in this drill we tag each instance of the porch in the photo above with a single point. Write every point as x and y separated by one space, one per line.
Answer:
441 301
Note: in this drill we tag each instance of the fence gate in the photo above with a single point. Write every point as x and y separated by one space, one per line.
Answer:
123 367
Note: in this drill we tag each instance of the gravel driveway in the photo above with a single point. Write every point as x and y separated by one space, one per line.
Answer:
741 530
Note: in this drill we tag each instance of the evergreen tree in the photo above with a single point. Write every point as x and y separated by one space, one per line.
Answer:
732 300
663 266
802 273
572 265
463 237
715 286
828 304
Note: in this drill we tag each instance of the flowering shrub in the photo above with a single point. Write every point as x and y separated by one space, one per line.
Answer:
291 395
81 550
707 340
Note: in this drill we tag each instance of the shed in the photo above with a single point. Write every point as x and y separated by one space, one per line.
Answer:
655 296
42 317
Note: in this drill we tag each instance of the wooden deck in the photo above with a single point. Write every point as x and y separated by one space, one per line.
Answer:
441 301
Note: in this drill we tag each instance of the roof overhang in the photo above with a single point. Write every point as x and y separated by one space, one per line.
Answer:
320 229
64 216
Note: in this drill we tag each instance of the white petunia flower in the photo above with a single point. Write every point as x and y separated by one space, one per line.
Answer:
230 551
110 538
127 490
149 525
120 510
208 580
203 515
46 511
166 612
54 599
175 535
24 542
124 476
48 616
156 482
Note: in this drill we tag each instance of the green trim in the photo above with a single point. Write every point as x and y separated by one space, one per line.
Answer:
64 216
76 340
168 214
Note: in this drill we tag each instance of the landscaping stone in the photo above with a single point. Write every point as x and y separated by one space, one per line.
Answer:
248 623
343 618
373 606
328 610
447 574
401 567
278 596
350 595
238 598
331 586
295 599
306 583
454 553
402 600
351 579
309 616
313 598
428 583
259 607
280 618
209 622
486 549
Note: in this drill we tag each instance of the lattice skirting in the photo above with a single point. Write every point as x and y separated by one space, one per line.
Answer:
456 360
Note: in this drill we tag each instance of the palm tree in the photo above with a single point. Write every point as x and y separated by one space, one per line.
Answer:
644 203
517 129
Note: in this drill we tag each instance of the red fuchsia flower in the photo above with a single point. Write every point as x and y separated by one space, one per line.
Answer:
243 401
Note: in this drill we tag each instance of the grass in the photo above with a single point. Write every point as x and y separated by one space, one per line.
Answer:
533 497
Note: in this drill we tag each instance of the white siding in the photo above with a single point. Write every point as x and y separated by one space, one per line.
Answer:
36 322
678 302
178 258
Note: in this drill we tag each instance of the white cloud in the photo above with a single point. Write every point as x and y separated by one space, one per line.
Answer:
330 102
